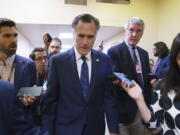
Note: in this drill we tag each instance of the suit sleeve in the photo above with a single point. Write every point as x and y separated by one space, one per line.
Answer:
33 73
51 99
19 124
110 104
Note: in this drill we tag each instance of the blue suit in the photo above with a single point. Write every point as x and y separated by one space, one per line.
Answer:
66 111
25 72
25 76
12 120
163 67
123 63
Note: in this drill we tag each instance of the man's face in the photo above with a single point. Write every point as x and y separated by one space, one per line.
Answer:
84 36
133 34
8 40
41 60
54 47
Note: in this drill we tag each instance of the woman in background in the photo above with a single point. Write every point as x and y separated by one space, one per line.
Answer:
164 111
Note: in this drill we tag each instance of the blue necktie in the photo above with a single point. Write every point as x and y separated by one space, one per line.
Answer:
136 61
84 79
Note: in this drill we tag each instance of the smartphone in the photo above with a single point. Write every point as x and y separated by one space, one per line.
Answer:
122 77
34 91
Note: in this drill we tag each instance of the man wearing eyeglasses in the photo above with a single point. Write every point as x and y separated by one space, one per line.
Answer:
40 57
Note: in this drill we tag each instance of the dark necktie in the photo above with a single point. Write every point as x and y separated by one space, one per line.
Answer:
84 79
136 62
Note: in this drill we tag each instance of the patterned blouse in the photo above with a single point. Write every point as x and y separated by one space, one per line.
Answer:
165 113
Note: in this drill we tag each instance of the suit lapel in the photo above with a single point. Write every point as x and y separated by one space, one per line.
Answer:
128 59
74 72
94 71
19 69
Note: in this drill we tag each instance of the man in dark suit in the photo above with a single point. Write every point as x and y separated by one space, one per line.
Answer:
15 69
133 61
78 93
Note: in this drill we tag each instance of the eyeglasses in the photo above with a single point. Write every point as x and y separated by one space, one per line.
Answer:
41 58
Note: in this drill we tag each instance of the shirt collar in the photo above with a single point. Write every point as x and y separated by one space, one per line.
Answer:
129 46
78 56
10 60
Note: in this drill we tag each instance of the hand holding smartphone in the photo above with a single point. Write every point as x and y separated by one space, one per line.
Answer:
122 77
34 91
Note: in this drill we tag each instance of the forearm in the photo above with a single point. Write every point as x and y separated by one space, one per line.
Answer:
143 109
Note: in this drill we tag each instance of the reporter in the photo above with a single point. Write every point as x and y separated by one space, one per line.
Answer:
164 111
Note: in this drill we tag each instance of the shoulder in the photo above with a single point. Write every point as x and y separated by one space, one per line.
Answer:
117 47
166 58
62 55
99 55
22 59
142 50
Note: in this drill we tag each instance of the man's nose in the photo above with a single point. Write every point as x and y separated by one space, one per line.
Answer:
43 60
85 40
134 33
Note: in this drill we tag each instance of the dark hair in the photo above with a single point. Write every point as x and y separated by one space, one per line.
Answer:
37 49
85 18
56 39
173 76
162 49
7 22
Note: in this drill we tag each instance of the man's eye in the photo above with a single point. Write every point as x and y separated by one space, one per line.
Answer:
7 35
90 36
15 35
81 35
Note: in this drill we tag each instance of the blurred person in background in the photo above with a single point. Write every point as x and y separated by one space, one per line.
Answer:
52 45
151 64
161 66
40 56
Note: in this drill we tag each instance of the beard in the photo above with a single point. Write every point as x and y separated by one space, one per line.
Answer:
10 50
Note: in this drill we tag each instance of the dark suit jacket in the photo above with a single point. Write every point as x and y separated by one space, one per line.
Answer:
25 76
66 110
12 120
25 72
163 67
122 62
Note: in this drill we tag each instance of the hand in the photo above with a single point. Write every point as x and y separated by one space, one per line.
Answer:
27 99
154 83
46 41
134 92
117 82
113 134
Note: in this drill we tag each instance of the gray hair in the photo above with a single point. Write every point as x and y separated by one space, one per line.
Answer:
134 20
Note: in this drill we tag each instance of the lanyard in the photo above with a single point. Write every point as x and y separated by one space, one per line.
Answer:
9 77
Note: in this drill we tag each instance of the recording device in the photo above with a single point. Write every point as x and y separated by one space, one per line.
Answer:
49 37
122 77
34 91
152 76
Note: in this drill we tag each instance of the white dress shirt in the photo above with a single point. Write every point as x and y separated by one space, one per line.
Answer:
5 69
79 62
